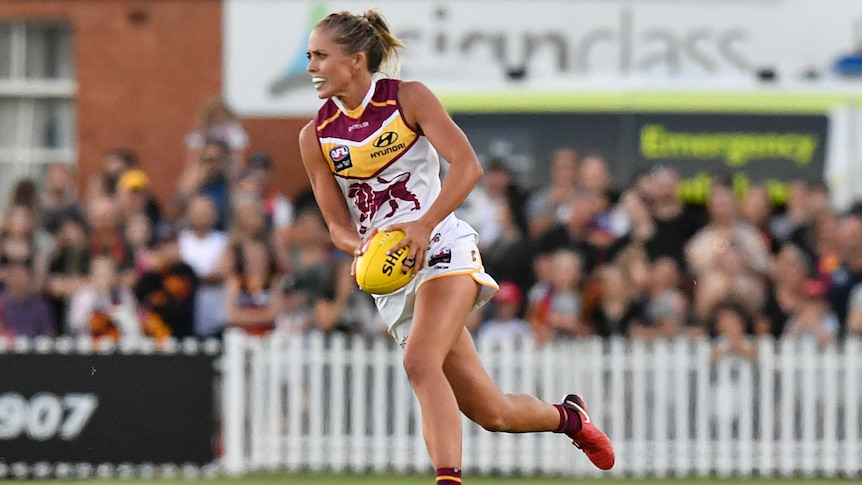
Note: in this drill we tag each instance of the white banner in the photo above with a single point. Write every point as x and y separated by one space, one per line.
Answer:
461 44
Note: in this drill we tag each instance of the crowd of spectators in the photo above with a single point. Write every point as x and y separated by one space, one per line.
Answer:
226 249
581 258
575 257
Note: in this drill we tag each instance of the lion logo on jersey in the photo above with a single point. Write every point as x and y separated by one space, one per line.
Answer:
369 201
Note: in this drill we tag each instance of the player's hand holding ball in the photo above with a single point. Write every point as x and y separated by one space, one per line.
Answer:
417 234
398 249
381 268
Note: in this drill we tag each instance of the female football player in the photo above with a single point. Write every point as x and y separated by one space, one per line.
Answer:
372 157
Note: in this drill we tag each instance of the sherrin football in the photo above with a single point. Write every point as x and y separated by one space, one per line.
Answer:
378 272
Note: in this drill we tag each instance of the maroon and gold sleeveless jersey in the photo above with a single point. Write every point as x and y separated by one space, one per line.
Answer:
387 170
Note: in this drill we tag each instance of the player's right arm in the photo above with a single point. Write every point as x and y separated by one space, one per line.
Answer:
327 193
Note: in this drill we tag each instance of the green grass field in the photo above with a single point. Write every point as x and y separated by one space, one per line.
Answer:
329 479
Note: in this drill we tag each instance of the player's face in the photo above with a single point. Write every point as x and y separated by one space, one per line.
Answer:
329 64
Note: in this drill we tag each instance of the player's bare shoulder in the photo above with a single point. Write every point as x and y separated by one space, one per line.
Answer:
307 132
411 92
417 100
309 146
308 136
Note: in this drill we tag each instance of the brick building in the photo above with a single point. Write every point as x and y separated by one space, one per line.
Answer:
118 73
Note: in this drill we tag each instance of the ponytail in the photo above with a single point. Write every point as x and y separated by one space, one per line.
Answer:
390 62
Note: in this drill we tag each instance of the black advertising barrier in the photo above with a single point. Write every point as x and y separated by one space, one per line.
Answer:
107 408
766 149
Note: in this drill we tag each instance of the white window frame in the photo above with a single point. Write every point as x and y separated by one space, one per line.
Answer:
19 87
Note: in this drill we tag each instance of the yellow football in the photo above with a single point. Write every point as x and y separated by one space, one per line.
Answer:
381 273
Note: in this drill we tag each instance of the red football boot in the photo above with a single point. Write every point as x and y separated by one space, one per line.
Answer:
591 440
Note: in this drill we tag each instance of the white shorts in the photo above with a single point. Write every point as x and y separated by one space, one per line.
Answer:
452 251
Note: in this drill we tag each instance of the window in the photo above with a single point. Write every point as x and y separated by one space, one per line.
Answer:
37 109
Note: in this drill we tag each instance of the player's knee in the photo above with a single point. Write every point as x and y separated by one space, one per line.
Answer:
492 420
419 367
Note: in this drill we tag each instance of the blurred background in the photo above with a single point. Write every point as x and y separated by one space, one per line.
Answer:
671 202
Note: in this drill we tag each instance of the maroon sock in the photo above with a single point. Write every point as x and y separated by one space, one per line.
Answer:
570 420
448 476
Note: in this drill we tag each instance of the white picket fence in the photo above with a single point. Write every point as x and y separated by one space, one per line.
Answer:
344 404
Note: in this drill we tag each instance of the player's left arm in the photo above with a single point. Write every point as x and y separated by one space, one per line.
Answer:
422 109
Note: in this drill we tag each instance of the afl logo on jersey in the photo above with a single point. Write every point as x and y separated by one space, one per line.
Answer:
340 156
385 139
